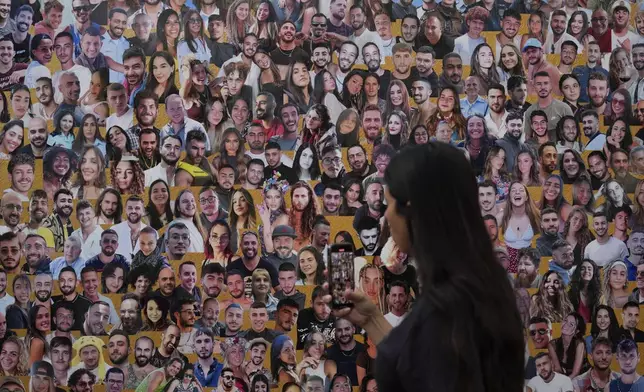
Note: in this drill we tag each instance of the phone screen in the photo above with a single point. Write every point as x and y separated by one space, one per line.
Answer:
342 275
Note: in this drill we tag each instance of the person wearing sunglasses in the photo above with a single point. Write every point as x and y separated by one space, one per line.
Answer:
109 245
81 10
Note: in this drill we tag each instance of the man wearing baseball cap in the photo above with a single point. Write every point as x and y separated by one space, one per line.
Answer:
538 63
622 37
11 384
283 237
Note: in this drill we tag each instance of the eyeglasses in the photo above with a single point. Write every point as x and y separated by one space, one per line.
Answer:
318 24
16 207
82 8
228 377
108 241
598 20
208 200
329 161
640 274
540 331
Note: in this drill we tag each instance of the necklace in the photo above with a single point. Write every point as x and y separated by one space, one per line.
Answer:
596 384
350 352
284 53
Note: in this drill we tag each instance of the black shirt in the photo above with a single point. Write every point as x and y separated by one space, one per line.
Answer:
21 49
285 57
307 323
268 334
638 335
149 46
443 46
286 173
246 273
298 297
409 276
346 360
220 52
80 304
385 79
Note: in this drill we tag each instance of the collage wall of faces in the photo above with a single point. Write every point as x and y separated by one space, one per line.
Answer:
175 174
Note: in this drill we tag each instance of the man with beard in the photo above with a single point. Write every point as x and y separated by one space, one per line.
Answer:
368 230
81 380
631 319
81 10
433 36
211 210
331 199
122 113
109 245
131 228
189 285
637 89
538 65
397 300
221 51
177 240
287 276
254 174
286 315
135 75
212 279
69 87
162 377
568 57
320 38
473 103
167 284
635 244
409 27
547 379
210 315
11 208
89 234
258 319
170 153
628 357
348 54
207 369
604 248
590 126
332 166
372 58
638 294
554 109
492 228
372 124
286 48
61 355
361 35
562 260
345 350
64 49
130 313
511 141
146 109
20 172
619 163
249 48
143 36
528 269
320 236
234 319
598 167
382 23
141 367
114 44
118 349
11 72
236 287
403 70
559 36
338 9
360 167
283 237
42 288
81 305
598 94
228 381
600 374
59 222
421 90
549 232
316 318
265 112
179 125
497 115
35 251
256 138
593 65
5 298
488 199
10 253
251 259
20 36
255 365
275 164
374 196
63 320
149 150
289 117
452 73
37 134
96 319
510 25
182 312
90 282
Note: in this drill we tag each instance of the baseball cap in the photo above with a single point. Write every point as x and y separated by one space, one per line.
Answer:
284 231
532 43
620 4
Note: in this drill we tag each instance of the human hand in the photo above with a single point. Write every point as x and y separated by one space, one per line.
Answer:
362 311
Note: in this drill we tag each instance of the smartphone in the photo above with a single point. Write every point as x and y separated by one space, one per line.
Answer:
341 274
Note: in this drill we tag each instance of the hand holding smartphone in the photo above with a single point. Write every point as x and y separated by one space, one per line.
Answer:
341 274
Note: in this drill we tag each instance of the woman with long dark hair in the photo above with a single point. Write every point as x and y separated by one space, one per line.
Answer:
310 267
218 244
352 96
485 350
306 163
63 134
318 129
39 328
577 234
449 110
568 352
585 289
168 31
298 85
265 26
89 135
159 211
161 76
326 92
604 324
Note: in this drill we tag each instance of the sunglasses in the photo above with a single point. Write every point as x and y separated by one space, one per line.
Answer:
540 331
318 24
83 8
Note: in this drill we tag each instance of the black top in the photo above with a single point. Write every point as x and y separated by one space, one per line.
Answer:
418 355
246 273
80 304
307 323
149 46
346 360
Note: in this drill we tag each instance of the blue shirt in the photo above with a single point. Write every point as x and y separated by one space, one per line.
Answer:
478 107
583 73
60 263
214 372
564 273
631 269
98 264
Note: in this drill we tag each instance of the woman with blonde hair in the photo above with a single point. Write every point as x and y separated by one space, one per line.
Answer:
537 27
314 359
614 284
238 22
217 120
231 152
371 282
195 91
272 211
13 357
576 232
520 222
128 177
185 211
551 300
637 219
242 214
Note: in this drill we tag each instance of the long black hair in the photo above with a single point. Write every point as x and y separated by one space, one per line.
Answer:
471 293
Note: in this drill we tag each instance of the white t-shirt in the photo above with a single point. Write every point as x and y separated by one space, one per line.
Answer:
603 254
366 37
126 121
6 301
394 320
464 45
559 383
